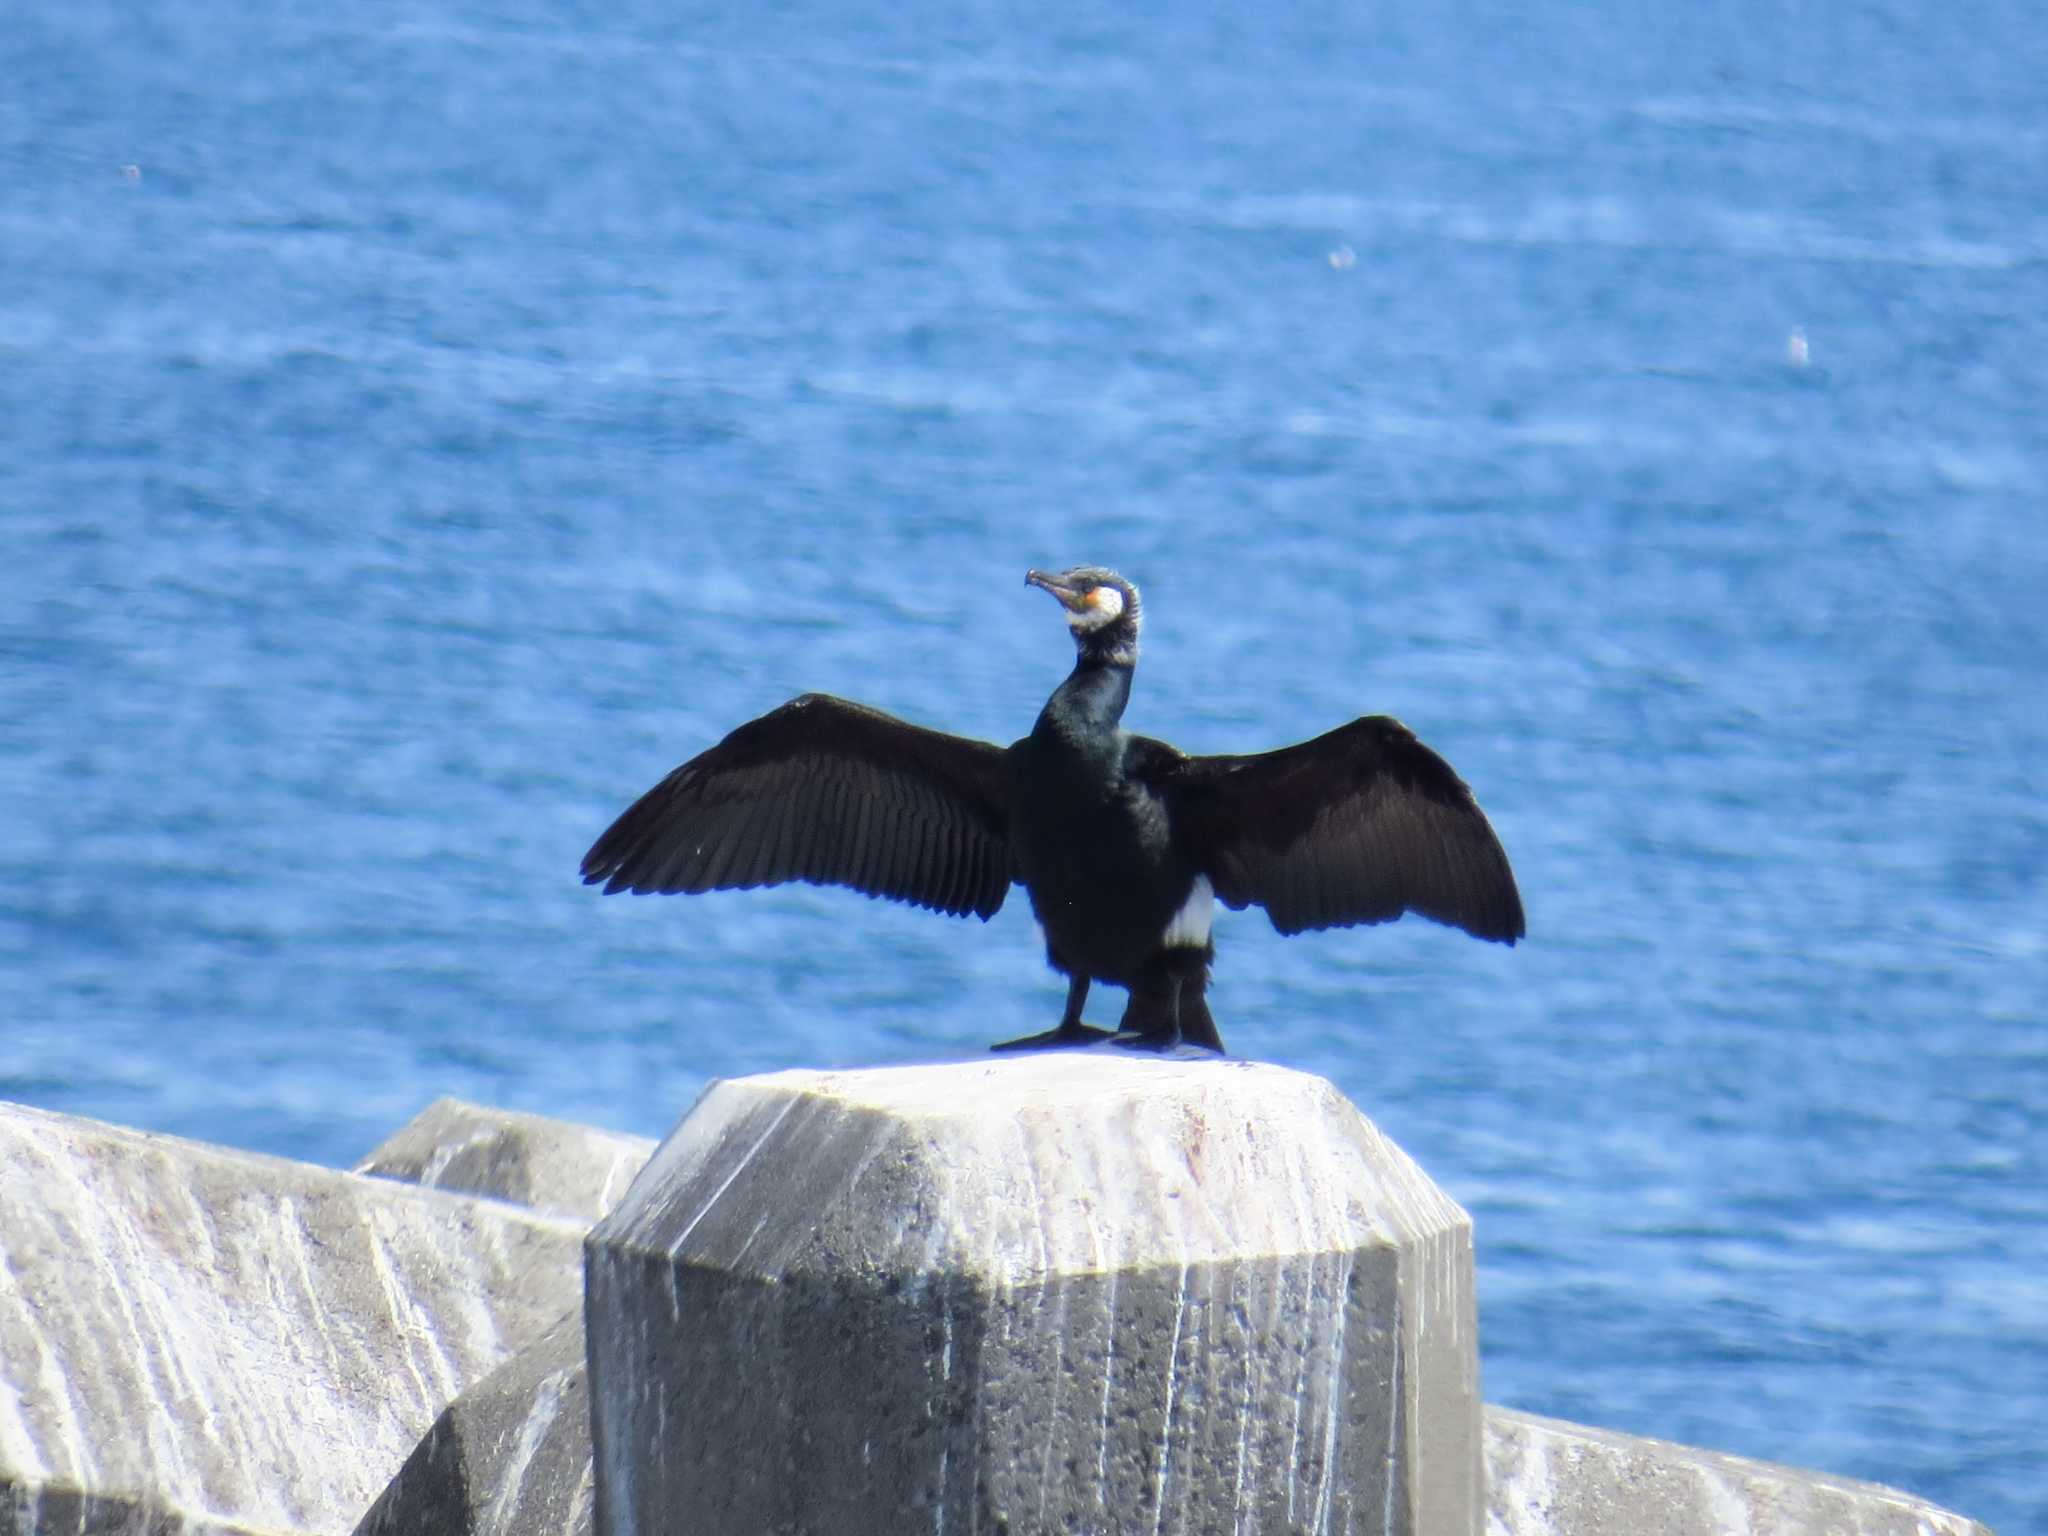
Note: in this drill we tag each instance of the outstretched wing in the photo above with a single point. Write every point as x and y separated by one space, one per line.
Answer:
1357 826
829 792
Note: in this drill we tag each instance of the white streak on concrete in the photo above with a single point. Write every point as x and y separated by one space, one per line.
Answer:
625 1164
1295 1396
293 1234
1108 1379
1332 1406
1731 1515
533 1430
582 1515
19 1451
132 1259
945 1426
1528 1486
1180 1312
1247 1357
1393 1439
676 1247
1052 1415
445 1154
221 1329
399 1306
754 1234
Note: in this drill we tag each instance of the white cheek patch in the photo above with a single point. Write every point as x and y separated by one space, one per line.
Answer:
1105 605
1190 926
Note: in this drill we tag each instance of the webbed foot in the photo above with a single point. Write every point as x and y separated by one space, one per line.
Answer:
1065 1037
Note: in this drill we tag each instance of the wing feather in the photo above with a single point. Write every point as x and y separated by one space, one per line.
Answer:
732 847
825 791
751 865
865 859
775 845
1357 826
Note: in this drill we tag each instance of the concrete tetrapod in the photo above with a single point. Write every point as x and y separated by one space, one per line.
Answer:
555 1167
1075 1291
197 1340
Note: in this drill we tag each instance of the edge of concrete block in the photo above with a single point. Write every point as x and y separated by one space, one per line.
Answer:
197 1338
1550 1477
556 1167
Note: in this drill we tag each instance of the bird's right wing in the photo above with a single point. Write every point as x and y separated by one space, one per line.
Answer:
829 792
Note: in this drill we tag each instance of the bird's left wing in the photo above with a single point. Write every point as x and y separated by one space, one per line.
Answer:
825 791
1357 826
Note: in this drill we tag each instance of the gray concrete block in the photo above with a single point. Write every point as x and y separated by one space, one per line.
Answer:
1066 1292
196 1342
1545 1477
510 1457
1549 1478
195 1339
564 1169
51 1510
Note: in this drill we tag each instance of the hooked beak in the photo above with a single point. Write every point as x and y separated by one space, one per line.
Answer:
1070 597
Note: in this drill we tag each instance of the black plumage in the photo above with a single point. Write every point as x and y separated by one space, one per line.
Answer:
1122 843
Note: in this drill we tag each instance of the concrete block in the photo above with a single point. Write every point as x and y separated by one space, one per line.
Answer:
48 1509
1549 1478
1545 1477
199 1340
568 1170
510 1457
1066 1292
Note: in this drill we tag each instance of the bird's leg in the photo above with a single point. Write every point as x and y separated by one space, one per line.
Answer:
1147 1026
1070 1031
1196 1025
1176 978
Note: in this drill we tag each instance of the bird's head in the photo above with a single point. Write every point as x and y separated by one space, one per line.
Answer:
1102 611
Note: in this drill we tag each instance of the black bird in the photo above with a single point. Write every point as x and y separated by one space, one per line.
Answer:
1123 844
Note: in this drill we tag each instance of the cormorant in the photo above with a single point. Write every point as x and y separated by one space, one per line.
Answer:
1123 844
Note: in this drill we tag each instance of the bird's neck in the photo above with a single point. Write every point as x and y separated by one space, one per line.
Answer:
1091 701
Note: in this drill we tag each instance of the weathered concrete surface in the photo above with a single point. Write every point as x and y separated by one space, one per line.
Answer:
564 1169
50 1510
1549 1478
194 1339
258 1329
510 1457
1058 1292
1544 1477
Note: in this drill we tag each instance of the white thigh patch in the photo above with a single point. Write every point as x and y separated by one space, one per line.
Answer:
1190 925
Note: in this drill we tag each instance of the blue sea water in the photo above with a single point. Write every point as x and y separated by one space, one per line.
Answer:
425 424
